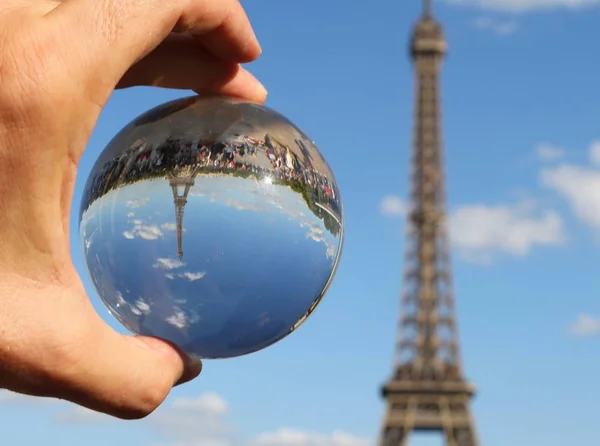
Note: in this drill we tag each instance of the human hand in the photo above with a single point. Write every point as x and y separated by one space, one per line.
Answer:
59 63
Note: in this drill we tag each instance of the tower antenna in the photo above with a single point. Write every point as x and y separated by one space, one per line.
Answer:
427 8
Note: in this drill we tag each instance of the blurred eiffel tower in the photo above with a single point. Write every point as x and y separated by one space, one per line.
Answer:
180 200
428 391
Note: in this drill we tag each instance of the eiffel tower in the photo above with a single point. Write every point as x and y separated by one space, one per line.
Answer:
427 391
180 201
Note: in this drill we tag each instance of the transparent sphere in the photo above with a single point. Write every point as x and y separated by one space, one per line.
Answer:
213 223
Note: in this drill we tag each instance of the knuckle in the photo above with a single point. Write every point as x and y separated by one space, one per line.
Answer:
147 401
154 395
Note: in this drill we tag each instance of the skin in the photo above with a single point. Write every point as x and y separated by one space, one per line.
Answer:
59 63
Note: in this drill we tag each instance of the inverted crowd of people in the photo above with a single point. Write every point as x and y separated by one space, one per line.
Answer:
238 154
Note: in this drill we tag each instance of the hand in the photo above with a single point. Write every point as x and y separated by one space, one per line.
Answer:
59 63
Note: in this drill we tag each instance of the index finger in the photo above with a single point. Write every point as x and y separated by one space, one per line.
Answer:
109 36
229 34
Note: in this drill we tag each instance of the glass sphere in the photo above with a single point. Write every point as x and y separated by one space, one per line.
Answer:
213 223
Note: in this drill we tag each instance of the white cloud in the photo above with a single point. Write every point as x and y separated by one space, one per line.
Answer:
202 421
178 319
293 437
168 263
169 226
7 396
247 206
549 152
317 234
199 421
580 187
585 325
148 232
480 231
13 398
134 204
194 422
595 152
500 27
524 6
209 402
184 422
393 205
192 277
141 307
82 415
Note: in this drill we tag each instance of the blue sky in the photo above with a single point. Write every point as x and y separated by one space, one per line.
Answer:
521 120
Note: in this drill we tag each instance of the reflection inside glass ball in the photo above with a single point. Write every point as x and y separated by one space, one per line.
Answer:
213 223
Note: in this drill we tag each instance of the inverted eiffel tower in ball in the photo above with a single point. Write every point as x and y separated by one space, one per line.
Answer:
427 391
180 200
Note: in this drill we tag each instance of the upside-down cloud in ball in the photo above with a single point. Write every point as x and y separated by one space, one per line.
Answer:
213 223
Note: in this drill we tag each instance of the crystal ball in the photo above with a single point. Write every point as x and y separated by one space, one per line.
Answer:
213 223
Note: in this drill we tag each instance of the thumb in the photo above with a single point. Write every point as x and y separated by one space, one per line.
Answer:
127 376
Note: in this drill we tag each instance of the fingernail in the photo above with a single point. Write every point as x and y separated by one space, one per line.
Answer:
192 369
261 91
258 91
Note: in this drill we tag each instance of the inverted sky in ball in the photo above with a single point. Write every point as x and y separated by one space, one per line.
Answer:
213 223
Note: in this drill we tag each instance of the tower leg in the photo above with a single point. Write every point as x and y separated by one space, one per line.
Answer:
461 437
394 437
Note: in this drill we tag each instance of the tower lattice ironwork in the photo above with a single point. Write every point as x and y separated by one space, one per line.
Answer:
180 201
427 391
